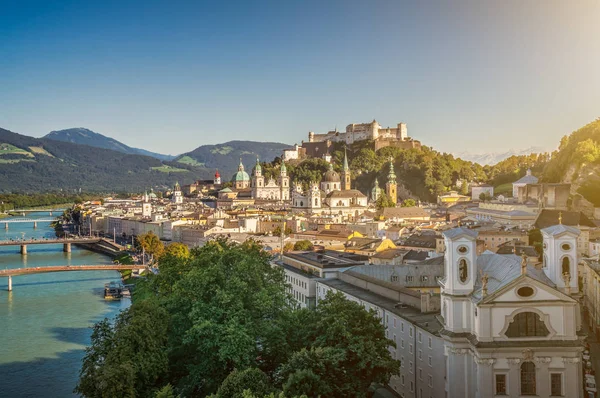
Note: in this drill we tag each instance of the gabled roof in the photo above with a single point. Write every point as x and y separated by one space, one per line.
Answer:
502 270
560 229
458 232
527 179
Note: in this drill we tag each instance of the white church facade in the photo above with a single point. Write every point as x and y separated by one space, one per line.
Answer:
511 329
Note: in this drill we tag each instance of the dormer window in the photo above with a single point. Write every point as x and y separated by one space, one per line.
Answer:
409 278
394 278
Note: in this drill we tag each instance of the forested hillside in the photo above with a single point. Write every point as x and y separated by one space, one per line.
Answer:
577 161
31 165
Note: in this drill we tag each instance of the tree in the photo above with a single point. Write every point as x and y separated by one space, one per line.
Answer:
303 245
485 197
409 203
178 250
252 380
126 359
165 392
349 352
288 247
150 243
384 201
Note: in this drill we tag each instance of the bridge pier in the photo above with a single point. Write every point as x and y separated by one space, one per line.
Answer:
5 225
50 213
34 224
67 247
10 283
23 249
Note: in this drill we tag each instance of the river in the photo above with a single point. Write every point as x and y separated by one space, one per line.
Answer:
45 322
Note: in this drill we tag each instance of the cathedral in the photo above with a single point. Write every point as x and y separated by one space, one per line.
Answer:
510 329
334 195
271 190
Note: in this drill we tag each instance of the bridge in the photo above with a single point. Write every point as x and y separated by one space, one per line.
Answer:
66 243
27 220
64 268
23 211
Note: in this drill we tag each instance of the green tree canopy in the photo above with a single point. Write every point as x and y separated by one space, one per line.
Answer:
304 245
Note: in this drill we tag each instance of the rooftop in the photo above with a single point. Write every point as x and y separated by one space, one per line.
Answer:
427 322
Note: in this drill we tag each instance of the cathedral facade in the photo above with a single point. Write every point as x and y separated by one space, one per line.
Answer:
270 190
510 329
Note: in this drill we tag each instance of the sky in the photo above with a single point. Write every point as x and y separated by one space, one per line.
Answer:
168 76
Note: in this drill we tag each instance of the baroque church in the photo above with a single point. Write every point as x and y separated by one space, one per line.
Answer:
335 195
510 329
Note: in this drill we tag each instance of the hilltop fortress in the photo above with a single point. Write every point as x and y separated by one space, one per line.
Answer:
383 136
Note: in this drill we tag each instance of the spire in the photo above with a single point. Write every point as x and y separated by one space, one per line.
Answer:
283 167
241 166
346 168
392 173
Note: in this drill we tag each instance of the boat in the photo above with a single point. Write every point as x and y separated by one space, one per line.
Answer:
113 291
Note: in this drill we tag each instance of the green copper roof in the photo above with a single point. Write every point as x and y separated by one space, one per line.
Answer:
283 168
258 167
240 176
392 173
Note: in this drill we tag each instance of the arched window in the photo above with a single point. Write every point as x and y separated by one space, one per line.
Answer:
528 378
462 270
316 202
527 324
545 261
566 266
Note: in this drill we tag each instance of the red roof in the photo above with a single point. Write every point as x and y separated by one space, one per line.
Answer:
217 175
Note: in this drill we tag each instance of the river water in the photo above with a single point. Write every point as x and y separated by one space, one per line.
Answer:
45 322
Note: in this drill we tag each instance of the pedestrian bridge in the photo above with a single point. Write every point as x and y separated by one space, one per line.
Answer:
64 268
65 242
27 220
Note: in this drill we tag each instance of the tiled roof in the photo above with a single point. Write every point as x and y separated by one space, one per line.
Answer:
560 229
456 232
548 218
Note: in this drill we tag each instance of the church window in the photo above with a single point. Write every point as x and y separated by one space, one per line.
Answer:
566 266
501 384
566 247
527 324
556 385
463 249
301 204
528 378
316 202
462 270
545 264
525 291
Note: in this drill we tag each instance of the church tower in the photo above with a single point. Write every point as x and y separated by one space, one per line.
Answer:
345 173
177 194
391 188
375 192
560 256
460 264
284 183
146 206
258 181
217 180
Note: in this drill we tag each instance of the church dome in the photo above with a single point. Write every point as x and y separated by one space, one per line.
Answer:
331 175
240 176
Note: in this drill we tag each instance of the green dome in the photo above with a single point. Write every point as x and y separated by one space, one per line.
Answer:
240 176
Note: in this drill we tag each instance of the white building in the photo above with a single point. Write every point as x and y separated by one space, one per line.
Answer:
477 190
526 179
362 131
509 328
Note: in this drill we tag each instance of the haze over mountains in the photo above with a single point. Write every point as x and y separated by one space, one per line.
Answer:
491 158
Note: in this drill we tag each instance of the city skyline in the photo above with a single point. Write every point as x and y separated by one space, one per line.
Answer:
171 78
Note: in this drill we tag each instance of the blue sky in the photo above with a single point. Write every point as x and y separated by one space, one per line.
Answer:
169 76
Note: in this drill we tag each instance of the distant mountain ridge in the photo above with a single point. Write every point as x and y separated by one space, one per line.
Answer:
492 158
30 164
226 157
83 136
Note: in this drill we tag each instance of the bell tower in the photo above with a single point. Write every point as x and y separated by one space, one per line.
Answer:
345 173
284 182
258 181
560 256
391 188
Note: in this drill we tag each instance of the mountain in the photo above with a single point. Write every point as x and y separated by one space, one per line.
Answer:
226 157
84 136
492 158
30 164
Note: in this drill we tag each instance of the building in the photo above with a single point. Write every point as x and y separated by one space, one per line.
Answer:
388 136
591 296
323 264
412 214
575 219
391 187
272 190
477 190
334 196
549 196
527 179
509 328
508 214
241 179
177 197
451 198
494 238
295 153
